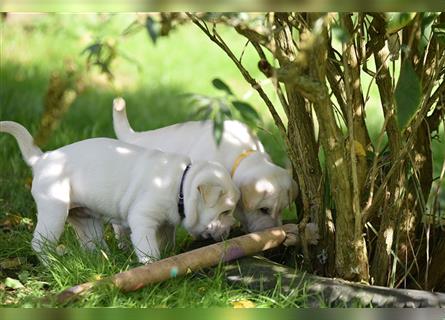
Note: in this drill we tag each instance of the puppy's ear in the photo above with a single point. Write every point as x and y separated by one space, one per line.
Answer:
210 194
250 196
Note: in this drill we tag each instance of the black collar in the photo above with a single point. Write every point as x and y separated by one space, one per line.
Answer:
181 194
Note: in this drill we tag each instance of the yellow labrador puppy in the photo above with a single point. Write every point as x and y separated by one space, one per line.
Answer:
105 180
266 189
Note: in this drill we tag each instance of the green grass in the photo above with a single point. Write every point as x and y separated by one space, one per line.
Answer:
184 62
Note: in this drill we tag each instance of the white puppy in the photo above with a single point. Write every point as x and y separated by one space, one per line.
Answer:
266 189
106 180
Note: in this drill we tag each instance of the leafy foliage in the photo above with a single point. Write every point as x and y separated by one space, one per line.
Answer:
222 108
151 29
101 53
407 94
398 20
247 112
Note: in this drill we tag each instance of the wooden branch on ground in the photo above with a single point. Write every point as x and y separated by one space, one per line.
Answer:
137 278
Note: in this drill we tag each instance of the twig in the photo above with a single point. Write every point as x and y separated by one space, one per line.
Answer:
373 173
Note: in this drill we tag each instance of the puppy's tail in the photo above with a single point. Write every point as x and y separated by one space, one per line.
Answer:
122 128
30 152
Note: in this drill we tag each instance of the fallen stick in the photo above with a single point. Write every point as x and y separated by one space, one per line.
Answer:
137 278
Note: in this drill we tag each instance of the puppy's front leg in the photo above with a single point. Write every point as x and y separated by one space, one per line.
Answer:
143 237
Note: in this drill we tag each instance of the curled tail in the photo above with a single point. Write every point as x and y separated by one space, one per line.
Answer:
30 152
122 128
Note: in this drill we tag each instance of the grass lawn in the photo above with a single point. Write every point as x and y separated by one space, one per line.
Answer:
31 51
184 62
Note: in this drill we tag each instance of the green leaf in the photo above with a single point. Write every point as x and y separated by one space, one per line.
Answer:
150 26
398 20
201 101
439 32
247 112
92 50
202 113
427 19
224 108
340 33
407 94
218 127
221 85
13 283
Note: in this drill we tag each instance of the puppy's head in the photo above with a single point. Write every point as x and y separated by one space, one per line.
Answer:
263 197
211 200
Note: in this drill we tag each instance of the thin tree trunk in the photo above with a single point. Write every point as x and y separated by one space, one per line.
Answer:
351 257
387 231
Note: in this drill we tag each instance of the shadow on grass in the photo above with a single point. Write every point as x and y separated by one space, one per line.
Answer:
22 94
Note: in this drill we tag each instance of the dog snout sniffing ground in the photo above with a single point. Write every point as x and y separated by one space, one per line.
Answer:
101 180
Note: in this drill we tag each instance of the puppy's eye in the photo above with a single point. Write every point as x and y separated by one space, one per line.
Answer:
264 210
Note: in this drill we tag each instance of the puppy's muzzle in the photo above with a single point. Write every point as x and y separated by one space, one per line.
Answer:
219 229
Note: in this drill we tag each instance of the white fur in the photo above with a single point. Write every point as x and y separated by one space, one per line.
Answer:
266 189
105 180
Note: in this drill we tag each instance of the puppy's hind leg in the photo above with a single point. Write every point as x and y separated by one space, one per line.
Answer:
52 211
89 229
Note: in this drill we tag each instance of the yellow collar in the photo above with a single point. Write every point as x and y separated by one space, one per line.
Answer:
239 159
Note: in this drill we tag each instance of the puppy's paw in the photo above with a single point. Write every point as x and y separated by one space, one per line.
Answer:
119 104
291 239
311 233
